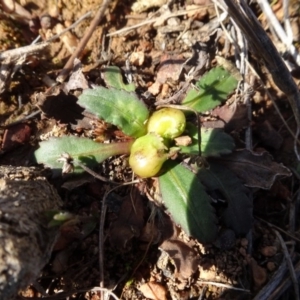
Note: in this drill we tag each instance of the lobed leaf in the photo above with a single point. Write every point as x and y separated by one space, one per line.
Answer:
211 90
257 170
117 107
188 203
83 149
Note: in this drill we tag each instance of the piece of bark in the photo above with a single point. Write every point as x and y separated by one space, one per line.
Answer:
25 239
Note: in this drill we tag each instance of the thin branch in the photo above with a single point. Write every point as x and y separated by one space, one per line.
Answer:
101 230
35 48
290 265
96 175
273 283
69 65
160 19
279 229
66 295
265 49
223 285
283 286
26 50
286 39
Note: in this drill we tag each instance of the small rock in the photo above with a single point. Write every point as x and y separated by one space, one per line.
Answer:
268 251
244 243
243 252
271 266
137 58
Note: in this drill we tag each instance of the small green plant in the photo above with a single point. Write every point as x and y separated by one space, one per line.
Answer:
147 155
167 122
152 148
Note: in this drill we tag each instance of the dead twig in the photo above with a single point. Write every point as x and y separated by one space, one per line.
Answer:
165 16
26 50
14 54
287 233
286 39
281 288
94 174
223 285
265 49
273 283
202 56
66 295
24 119
69 65
290 265
101 230
102 217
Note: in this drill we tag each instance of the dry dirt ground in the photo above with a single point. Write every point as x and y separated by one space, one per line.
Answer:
144 255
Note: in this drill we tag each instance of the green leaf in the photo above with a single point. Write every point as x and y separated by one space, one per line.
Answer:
82 149
214 142
238 212
113 78
117 107
60 218
211 90
187 202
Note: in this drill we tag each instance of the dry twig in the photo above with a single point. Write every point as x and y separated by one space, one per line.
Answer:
286 39
69 65
265 49
14 54
290 265
158 20
273 283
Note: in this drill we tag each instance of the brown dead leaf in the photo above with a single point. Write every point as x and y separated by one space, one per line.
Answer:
170 68
60 261
259 274
268 135
280 191
167 228
153 290
184 257
230 117
150 233
155 88
15 136
130 221
255 169
68 234
183 140
156 232
77 79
